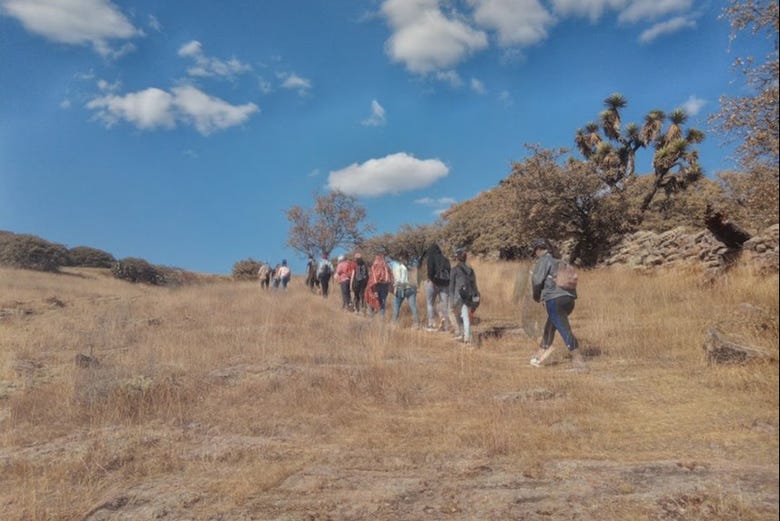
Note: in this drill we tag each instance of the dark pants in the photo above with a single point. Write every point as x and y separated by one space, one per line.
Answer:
558 311
382 289
359 290
346 298
324 282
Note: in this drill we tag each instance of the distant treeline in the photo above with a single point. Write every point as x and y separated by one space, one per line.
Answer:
34 253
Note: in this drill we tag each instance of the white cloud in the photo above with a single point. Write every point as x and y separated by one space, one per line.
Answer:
592 9
65 104
154 23
154 108
75 22
292 81
670 26
424 39
518 22
395 173
377 117
206 66
451 77
146 109
477 86
441 201
639 10
209 113
693 105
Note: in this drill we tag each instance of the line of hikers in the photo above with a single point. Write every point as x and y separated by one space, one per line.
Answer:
278 276
451 292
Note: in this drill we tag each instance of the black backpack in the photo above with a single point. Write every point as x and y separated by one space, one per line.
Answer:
361 273
442 273
468 292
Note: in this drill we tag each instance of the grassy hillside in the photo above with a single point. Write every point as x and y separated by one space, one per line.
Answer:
222 401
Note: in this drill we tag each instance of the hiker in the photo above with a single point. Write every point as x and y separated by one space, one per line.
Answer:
324 272
358 283
275 278
558 302
403 289
264 274
344 270
284 274
464 295
437 290
380 279
312 282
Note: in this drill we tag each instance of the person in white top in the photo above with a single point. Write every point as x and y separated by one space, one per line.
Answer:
403 289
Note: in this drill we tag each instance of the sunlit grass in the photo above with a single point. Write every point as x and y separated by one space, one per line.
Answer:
235 389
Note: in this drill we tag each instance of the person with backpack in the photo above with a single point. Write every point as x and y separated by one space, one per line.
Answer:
324 273
464 295
380 278
437 290
264 274
312 282
359 282
276 279
553 283
284 274
344 270
403 289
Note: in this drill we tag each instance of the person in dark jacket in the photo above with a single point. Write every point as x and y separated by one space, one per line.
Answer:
437 289
558 302
359 282
464 294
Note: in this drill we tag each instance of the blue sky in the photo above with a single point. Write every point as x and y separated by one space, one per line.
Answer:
181 131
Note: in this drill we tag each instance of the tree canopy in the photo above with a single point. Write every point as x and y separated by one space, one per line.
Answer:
337 220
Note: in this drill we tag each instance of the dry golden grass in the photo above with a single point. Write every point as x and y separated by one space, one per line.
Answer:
223 399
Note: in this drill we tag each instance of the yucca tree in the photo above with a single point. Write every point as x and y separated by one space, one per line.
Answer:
675 161
610 118
654 123
676 119
587 140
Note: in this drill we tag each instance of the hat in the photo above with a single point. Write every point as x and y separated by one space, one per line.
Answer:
460 253
358 256
540 244
284 262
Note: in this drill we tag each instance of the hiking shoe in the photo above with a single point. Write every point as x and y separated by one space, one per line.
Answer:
577 361
535 362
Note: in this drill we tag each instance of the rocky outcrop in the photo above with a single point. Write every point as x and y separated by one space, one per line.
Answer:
646 250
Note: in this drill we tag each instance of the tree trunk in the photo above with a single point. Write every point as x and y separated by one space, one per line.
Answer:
724 230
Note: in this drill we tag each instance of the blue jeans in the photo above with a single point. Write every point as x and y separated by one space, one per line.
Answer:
410 295
432 292
558 311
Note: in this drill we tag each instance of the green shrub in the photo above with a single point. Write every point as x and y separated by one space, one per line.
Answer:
137 270
246 269
31 252
87 257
